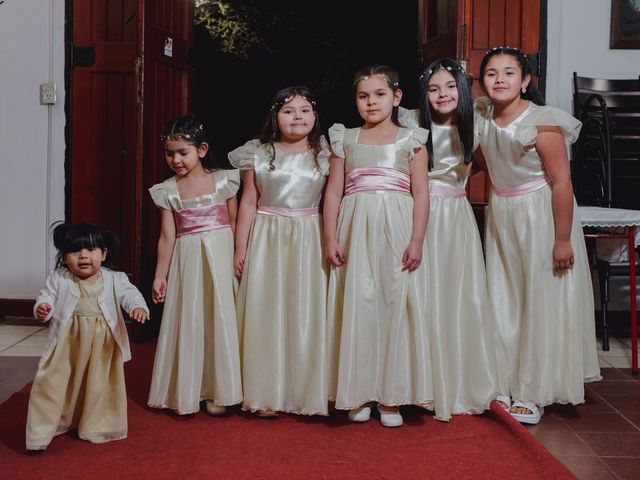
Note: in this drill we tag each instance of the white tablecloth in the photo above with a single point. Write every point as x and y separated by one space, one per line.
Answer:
614 220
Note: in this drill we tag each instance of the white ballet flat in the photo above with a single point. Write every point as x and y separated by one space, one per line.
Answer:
360 415
390 418
213 409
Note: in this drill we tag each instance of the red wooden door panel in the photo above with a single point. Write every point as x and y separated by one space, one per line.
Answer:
104 167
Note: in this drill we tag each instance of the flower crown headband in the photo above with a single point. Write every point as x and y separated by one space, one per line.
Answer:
277 105
189 137
379 75
517 50
449 68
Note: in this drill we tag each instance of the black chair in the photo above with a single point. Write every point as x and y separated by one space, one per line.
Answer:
606 161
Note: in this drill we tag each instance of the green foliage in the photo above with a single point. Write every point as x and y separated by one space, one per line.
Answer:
234 24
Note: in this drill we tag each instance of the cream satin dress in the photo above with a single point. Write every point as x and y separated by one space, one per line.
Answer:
197 356
81 385
463 330
378 325
545 320
281 303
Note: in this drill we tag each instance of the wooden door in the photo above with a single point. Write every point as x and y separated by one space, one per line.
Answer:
103 167
129 75
484 24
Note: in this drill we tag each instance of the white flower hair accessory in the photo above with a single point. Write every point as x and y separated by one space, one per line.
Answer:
278 105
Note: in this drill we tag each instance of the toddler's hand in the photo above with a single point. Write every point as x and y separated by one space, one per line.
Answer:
562 255
334 253
43 311
238 263
412 257
159 290
140 315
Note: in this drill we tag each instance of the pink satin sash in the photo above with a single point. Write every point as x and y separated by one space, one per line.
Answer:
528 187
201 219
376 178
290 212
447 191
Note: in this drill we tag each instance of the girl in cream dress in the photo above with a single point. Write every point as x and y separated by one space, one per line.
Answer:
197 354
80 378
537 269
376 209
462 329
281 302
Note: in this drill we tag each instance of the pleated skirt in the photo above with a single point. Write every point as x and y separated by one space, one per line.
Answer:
377 323
281 311
462 333
545 320
197 355
81 385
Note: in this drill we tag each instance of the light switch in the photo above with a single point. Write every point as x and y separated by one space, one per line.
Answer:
47 93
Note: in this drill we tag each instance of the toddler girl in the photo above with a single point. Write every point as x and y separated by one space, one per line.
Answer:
80 379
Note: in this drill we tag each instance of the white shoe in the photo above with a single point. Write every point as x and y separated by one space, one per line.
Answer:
213 409
360 415
390 417
506 399
529 418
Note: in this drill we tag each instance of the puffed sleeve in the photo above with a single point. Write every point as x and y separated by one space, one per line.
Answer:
244 157
159 196
336 137
527 131
409 118
233 181
418 138
323 156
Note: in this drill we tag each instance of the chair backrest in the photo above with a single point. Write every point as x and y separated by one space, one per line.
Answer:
620 94
588 84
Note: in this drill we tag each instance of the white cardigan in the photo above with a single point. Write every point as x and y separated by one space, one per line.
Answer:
63 295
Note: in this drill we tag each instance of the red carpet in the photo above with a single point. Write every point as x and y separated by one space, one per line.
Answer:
162 445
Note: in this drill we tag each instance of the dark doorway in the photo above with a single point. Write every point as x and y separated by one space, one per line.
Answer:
319 44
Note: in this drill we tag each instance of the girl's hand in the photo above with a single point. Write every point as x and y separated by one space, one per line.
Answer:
412 256
238 263
562 255
334 253
140 315
159 290
42 312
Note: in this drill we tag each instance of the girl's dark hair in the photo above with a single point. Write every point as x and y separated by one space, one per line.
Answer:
464 114
384 71
69 238
271 131
192 131
531 93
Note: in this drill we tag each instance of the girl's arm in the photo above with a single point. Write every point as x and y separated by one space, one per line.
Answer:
332 199
420 191
43 308
246 214
130 298
165 250
553 152
232 206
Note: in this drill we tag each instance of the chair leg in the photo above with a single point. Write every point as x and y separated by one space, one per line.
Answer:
603 279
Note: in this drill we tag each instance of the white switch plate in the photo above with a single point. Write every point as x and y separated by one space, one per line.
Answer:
47 93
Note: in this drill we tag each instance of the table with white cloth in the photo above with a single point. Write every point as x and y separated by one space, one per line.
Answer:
618 229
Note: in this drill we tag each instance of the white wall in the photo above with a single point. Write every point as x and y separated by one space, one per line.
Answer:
578 41
31 142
